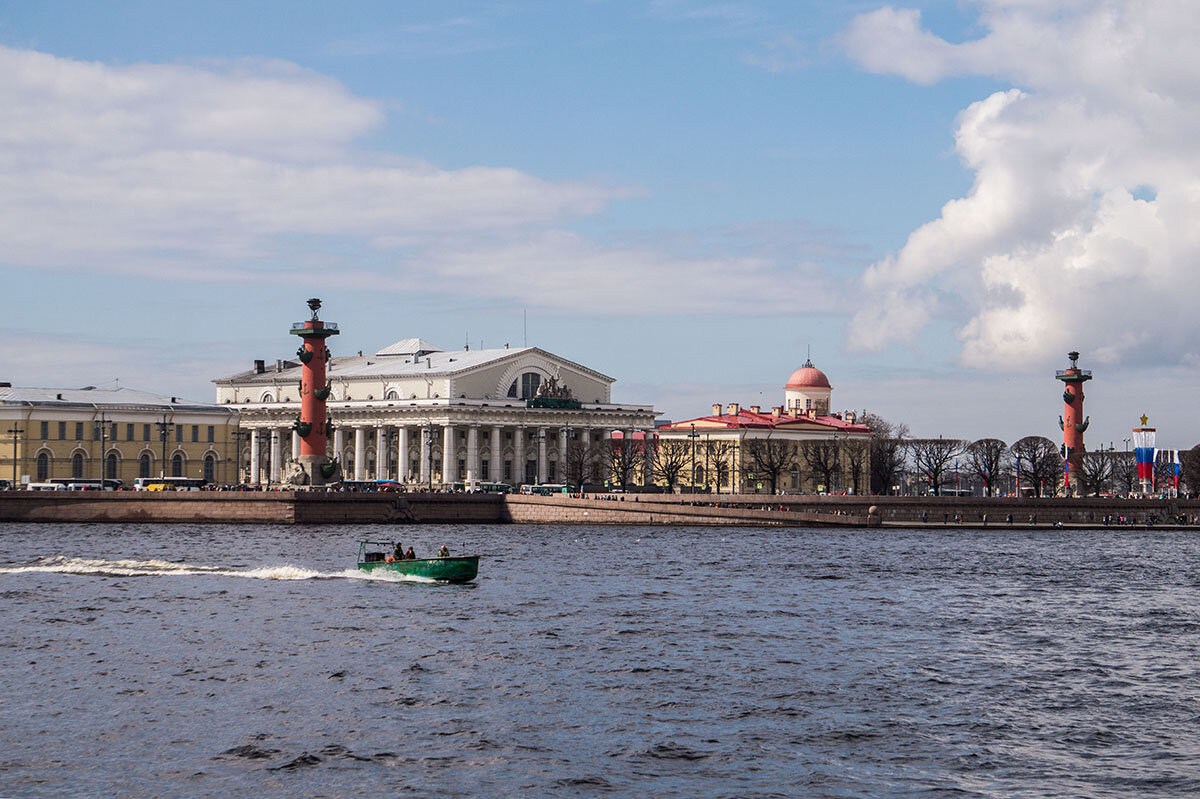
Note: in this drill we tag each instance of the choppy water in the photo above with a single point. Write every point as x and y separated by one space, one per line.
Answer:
203 661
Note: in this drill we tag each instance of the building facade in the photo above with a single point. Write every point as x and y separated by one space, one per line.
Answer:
423 416
116 433
799 446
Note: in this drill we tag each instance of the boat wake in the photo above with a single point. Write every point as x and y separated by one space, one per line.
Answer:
165 568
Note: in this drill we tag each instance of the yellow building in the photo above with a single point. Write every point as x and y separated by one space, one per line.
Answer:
48 433
799 446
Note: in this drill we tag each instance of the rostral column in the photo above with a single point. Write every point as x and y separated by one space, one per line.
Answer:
1072 421
313 424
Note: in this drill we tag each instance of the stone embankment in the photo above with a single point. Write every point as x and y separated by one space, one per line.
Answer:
306 507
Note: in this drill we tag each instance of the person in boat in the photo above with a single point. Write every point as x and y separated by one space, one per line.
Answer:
398 551
409 554
443 552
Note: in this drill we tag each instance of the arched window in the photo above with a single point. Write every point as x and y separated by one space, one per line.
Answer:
177 465
392 395
267 398
144 465
110 466
43 467
77 465
526 386
210 468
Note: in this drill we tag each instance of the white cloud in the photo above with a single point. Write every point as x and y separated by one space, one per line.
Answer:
1054 247
248 172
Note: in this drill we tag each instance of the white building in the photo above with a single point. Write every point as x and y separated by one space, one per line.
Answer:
420 415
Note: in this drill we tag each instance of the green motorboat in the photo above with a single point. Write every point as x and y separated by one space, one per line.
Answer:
373 555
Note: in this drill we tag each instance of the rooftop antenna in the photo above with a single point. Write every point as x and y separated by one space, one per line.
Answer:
808 358
466 341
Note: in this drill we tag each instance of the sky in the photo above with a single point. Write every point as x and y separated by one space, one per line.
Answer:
938 200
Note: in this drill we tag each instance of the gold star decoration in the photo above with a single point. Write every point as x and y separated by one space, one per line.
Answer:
1145 419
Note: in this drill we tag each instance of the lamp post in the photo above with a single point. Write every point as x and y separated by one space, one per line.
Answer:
693 436
707 449
14 431
101 424
163 427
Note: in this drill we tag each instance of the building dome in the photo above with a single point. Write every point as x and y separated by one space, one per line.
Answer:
808 376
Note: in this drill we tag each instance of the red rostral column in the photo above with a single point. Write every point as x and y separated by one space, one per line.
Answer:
314 391
1072 421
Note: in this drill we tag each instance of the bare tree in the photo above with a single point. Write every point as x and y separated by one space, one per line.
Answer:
985 461
821 459
856 452
769 458
887 451
625 457
580 458
1095 470
931 458
669 460
1039 465
1125 471
720 458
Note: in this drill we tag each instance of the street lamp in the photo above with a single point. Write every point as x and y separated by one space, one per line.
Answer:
163 427
102 425
693 437
14 431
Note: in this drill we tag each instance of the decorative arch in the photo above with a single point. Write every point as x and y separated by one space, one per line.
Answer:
178 463
210 467
267 397
112 464
145 463
391 394
518 368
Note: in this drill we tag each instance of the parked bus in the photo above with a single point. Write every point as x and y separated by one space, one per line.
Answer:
168 484
88 483
546 489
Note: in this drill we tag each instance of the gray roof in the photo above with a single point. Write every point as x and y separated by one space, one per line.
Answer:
430 364
409 346
90 397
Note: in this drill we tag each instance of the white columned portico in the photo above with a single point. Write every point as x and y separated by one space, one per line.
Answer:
543 464
496 464
402 454
360 453
472 456
448 454
275 455
339 446
255 476
519 455
381 453
426 457
585 465
564 441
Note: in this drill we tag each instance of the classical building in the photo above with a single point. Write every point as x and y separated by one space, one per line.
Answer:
424 416
798 445
62 432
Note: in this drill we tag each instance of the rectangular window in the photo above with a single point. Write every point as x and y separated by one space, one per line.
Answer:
146 434
484 471
96 428
62 431
129 432
462 470
45 430
112 431
179 433
212 434
79 431
508 471
195 433
552 471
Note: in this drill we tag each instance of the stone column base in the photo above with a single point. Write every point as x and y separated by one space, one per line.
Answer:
312 467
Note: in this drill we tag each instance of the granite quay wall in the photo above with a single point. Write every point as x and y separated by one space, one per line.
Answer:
648 509
215 507
970 511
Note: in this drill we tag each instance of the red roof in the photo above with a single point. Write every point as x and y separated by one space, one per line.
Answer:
765 421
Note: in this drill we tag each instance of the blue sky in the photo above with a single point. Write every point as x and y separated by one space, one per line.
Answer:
940 198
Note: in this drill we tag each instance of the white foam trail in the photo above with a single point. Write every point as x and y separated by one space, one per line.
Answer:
163 568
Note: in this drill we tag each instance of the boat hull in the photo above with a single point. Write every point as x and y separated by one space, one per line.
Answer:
449 570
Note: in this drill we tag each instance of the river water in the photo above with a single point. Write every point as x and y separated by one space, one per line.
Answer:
195 661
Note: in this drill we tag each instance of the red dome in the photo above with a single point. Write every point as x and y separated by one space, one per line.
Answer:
808 376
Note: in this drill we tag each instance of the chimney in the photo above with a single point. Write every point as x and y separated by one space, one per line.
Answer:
429 363
278 365
755 409
734 409
777 411
716 409
6 385
260 367
56 396
174 400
